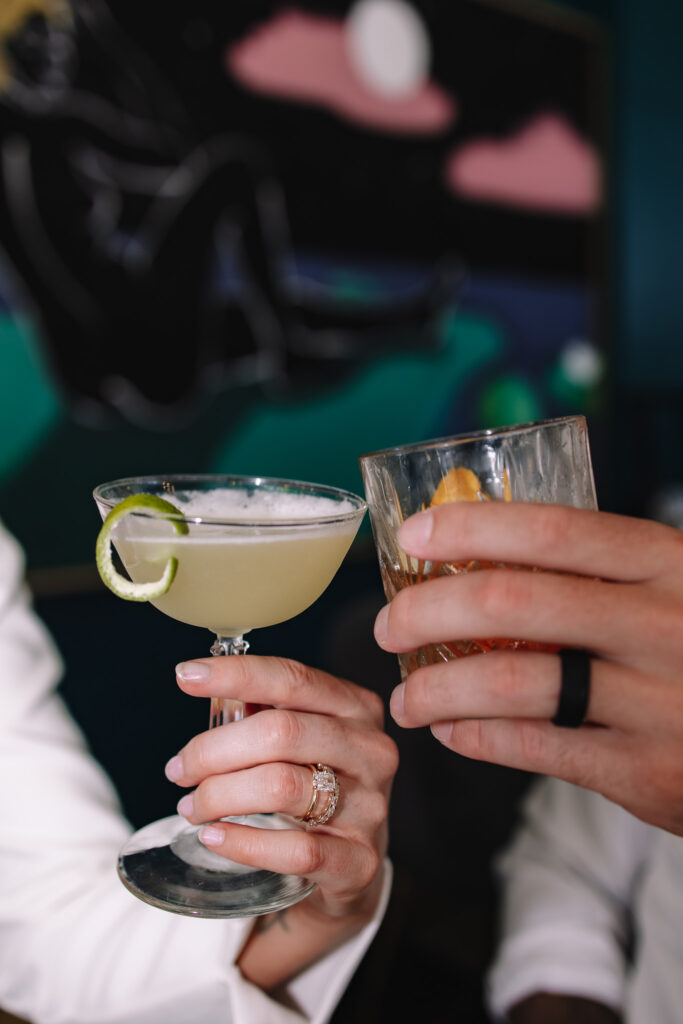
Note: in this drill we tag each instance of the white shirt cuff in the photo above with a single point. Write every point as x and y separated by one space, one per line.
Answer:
571 961
318 989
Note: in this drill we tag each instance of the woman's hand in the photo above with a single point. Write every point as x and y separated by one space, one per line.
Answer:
612 586
262 764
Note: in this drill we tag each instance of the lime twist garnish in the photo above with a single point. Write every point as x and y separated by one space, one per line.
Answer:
113 579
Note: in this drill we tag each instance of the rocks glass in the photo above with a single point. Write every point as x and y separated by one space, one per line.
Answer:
548 461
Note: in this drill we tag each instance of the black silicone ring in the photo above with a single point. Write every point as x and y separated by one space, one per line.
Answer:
575 688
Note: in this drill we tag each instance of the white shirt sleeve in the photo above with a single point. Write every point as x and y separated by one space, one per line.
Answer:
568 879
75 946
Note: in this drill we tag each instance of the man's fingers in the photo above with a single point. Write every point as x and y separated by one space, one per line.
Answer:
575 755
573 611
515 684
623 768
549 536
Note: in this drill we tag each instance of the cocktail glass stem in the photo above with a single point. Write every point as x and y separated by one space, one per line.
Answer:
224 709
186 844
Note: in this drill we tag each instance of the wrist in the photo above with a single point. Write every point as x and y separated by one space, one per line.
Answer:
284 943
354 912
556 1008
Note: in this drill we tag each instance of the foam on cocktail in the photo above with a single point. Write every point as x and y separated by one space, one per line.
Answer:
258 505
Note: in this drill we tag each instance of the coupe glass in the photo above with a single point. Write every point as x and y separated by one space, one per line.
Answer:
548 461
257 551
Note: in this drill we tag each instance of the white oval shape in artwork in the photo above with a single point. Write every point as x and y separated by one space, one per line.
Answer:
389 46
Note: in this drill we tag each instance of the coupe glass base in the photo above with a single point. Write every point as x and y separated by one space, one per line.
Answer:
150 867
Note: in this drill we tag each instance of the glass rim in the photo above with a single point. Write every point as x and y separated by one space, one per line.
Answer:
474 435
234 480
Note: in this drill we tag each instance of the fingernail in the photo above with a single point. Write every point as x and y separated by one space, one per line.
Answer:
382 625
186 805
210 835
397 701
442 731
416 531
193 671
174 769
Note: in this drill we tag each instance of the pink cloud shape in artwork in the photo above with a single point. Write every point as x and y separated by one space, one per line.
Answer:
303 57
545 166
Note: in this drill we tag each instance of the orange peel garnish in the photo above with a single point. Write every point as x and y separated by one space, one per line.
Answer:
459 484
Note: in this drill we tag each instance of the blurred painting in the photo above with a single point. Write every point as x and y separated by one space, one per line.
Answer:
232 234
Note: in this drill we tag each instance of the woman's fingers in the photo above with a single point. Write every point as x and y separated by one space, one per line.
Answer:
269 789
278 682
549 536
277 734
517 684
283 789
336 863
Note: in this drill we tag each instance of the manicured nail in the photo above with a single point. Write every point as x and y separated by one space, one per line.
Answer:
442 731
174 769
397 702
210 835
416 531
185 806
381 625
193 671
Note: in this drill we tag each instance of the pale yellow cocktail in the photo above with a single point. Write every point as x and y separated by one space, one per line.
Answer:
234 578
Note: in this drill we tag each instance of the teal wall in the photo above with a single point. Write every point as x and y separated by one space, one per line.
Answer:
649 162
52 462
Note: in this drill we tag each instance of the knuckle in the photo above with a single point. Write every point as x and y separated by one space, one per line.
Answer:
384 753
240 672
533 744
509 678
296 676
416 693
374 705
206 792
467 737
206 798
197 758
281 729
402 612
286 785
388 755
307 856
376 806
553 529
368 867
501 590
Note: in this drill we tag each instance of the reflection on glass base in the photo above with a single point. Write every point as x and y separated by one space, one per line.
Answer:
166 866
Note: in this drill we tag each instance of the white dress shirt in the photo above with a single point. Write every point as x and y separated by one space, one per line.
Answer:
75 946
592 906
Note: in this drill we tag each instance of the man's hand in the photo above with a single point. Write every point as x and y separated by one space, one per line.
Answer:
611 585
